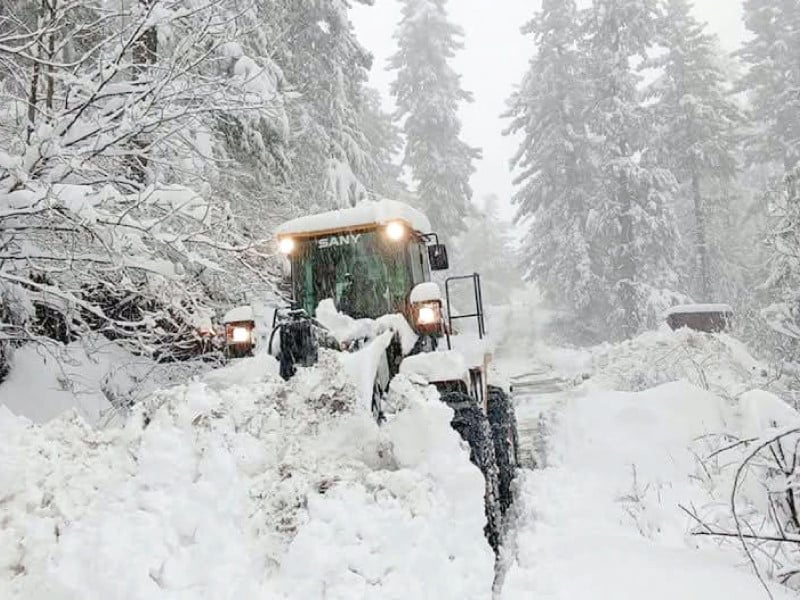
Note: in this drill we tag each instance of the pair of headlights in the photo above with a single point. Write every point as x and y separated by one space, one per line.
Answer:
395 231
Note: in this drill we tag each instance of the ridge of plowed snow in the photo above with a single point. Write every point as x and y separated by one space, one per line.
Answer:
260 489
718 362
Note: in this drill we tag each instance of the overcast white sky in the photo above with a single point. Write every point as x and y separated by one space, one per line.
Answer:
493 61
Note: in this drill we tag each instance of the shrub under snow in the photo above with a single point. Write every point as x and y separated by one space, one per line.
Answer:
715 362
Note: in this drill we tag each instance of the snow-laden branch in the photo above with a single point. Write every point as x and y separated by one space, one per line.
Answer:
113 212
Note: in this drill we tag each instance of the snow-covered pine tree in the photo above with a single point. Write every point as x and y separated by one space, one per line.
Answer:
697 127
386 141
772 57
631 225
556 173
772 83
327 69
428 93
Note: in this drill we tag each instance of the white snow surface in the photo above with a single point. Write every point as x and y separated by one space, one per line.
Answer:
372 212
427 291
473 348
362 366
225 488
763 411
47 381
602 520
238 314
447 365
717 362
345 328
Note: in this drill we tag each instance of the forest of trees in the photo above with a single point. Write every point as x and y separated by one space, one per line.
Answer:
149 147
654 168
147 150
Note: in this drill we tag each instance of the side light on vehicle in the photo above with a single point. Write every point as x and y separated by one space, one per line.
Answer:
240 335
427 315
286 245
395 231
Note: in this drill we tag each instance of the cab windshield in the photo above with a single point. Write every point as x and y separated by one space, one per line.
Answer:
365 274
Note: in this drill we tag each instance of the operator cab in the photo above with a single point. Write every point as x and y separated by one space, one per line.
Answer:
367 259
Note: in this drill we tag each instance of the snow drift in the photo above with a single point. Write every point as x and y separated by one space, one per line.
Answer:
603 520
245 486
717 362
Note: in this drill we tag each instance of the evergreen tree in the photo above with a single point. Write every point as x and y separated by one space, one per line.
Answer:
631 224
556 172
384 137
428 93
772 56
326 69
772 83
697 123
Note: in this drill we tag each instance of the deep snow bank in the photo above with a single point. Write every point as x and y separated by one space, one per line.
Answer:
92 376
244 486
717 362
603 520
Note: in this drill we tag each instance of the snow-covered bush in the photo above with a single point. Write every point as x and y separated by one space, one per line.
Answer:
754 478
715 362
114 213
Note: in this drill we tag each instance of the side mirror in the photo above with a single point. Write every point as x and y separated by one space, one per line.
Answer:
437 254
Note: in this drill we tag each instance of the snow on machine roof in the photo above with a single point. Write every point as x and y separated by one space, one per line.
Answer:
365 215
238 314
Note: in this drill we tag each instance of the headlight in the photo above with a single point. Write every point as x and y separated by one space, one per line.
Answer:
396 231
287 245
427 315
240 335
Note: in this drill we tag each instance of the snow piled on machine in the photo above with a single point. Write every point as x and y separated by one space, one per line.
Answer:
345 329
365 214
241 485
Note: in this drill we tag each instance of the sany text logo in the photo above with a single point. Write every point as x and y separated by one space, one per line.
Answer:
339 240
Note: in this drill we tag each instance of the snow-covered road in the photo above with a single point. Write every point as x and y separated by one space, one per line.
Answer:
600 517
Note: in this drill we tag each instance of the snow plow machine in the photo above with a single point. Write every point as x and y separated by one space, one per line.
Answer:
361 278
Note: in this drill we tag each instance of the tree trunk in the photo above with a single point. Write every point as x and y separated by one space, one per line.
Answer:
33 98
627 263
145 53
789 167
701 240
51 51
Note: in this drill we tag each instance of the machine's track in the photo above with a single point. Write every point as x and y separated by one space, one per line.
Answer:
535 393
